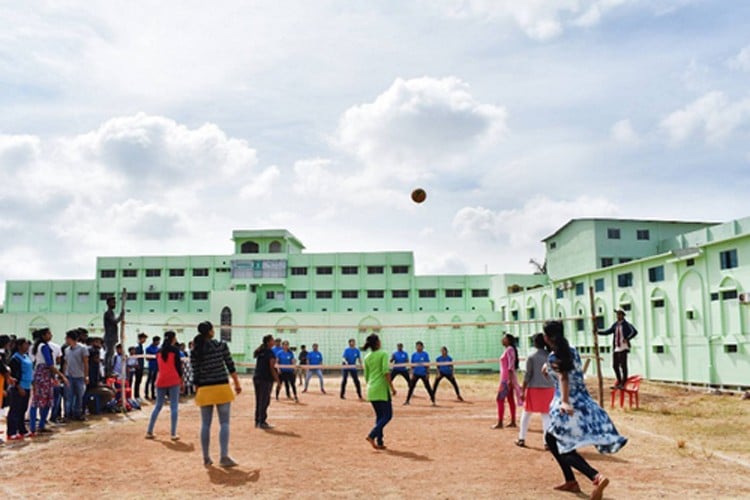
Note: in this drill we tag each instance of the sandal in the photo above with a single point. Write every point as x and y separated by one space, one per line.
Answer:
571 486
600 482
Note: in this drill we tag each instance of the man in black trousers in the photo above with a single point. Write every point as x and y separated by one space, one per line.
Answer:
139 351
111 324
623 332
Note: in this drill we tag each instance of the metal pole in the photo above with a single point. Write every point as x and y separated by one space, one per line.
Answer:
595 332
124 361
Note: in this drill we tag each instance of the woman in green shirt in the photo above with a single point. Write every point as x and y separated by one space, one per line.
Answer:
379 389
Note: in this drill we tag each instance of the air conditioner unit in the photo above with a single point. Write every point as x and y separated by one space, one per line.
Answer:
744 298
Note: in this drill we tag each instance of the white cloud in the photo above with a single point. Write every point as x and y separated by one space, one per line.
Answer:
538 19
741 61
622 132
418 127
262 185
712 117
523 228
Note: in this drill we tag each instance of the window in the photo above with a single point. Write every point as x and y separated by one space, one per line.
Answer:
61 297
152 295
599 285
131 296
176 272
553 245
249 247
579 325
730 348
600 322
223 269
400 294
200 272
607 261
728 259
17 297
299 294
579 288
729 294
657 302
226 324
130 273
400 269
480 292
427 293
200 295
624 260
656 274
349 294
153 273
324 294
299 271
349 270
625 280
38 297
658 349
375 269
107 273
715 296
105 295
690 262
176 295
454 293
274 247
514 315
643 234
324 270
613 233
375 294
559 293
626 306
531 313
270 295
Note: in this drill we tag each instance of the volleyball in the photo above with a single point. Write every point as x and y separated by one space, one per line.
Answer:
418 195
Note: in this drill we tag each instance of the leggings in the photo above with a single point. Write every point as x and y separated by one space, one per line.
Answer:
400 373
501 405
450 379
525 417
569 461
383 415
344 375
288 379
207 413
425 382
174 404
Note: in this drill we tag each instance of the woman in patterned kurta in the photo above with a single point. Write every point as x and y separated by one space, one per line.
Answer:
575 418
44 380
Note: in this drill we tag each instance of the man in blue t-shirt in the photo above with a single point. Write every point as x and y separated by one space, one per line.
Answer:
421 371
153 368
277 349
314 358
446 371
400 357
285 358
351 359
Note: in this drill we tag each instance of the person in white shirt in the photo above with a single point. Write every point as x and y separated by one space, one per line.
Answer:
622 332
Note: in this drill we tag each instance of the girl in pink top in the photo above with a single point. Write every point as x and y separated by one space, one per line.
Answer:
508 388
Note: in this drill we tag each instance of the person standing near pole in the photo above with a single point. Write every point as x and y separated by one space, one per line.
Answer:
153 367
139 351
111 333
351 358
623 333
379 389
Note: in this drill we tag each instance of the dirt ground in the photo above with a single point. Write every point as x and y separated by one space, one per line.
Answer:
318 450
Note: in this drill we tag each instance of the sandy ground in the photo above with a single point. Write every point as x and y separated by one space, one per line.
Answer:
318 450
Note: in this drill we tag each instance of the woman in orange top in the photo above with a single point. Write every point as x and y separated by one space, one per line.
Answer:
168 383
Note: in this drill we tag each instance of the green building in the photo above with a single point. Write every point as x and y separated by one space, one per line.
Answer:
681 284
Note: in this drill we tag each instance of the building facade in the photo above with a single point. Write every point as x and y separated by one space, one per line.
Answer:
681 284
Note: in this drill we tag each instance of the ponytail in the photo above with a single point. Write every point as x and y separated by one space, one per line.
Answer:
199 342
262 347
371 342
167 344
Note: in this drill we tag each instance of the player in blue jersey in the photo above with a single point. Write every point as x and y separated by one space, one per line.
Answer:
351 359
314 358
286 374
420 372
446 372
399 357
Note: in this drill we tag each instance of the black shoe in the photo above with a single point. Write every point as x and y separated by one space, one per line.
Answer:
265 426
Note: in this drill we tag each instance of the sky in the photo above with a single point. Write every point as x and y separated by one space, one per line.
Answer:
143 128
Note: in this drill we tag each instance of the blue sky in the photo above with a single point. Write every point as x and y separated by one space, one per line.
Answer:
135 129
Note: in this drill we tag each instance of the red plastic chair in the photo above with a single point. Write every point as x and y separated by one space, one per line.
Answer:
631 388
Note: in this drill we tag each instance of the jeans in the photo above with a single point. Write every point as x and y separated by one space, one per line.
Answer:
174 404
355 377
569 461
620 365
17 412
383 415
57 393
74 392
207 413
151 383
319 374
262 399
42 414
413 384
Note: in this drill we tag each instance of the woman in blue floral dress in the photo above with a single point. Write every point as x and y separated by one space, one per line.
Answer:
575 418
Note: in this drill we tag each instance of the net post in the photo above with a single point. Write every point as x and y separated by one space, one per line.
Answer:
595 333
124 361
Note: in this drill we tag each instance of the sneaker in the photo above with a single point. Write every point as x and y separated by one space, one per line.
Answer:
207 462
323 391
570 486
16 437
150 435
175 437
265 426
406 403
227 462
600 482
521 443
